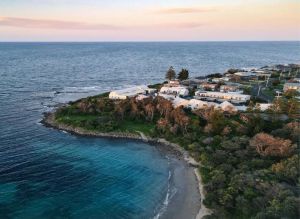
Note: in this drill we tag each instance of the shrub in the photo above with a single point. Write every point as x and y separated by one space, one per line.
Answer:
267 145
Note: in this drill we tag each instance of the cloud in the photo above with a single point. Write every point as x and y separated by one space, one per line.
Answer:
70 25
52 24
187 25
184 10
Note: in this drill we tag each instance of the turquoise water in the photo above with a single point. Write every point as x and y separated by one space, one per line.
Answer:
45 173
71 177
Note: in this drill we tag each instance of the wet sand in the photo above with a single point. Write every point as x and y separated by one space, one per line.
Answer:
186 202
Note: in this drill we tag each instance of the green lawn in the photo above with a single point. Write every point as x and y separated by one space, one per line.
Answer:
124 126
76 119
133 126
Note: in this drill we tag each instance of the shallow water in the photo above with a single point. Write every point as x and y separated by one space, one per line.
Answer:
45 173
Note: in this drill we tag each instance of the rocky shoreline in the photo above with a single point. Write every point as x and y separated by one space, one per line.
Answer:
162 144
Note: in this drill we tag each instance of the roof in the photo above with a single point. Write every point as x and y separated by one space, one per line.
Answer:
264 106
241 108
178 101
141 97
199 103
175 90
226 106
245 74
292 84
233 94
131 90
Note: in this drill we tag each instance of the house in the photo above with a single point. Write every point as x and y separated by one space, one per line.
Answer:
178 101
208 86
128 92
228 107
242 108
176 91
141 97
245 75
291 86
229 88
193 82
175 100
295 80
263 106
151 91
195 104
216 80
225 78
262 73
173 83
221 96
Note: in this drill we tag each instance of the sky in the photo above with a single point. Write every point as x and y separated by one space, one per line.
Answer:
149 20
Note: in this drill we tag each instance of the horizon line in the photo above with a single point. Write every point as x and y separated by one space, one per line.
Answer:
145 41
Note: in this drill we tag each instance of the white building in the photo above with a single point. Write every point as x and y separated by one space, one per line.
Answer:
228 107
178 101
176 91
141 97
245 74
173 83
291 86
229 88
216 80
220 96
195 104
263 106
128 92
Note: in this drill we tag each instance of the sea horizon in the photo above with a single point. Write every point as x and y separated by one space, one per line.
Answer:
151 41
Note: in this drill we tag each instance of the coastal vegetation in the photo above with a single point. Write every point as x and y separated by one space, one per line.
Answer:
249 160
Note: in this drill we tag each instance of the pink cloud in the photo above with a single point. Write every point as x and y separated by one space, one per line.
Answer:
52 24
184 10
187 25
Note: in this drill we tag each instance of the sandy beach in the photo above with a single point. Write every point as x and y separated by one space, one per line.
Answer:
186 201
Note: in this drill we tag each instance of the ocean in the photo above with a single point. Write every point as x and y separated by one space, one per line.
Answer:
46 173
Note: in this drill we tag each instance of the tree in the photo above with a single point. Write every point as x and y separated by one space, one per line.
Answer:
180 118
183 74
171 74
293 107
288 169
217 121
163 106
162 124
150 109
267 145
290 93
232 70
279 106
121 108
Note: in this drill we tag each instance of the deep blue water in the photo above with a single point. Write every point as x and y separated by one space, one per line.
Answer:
45 173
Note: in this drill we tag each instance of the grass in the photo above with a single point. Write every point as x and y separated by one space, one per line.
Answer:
136 125
130 126
75 120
